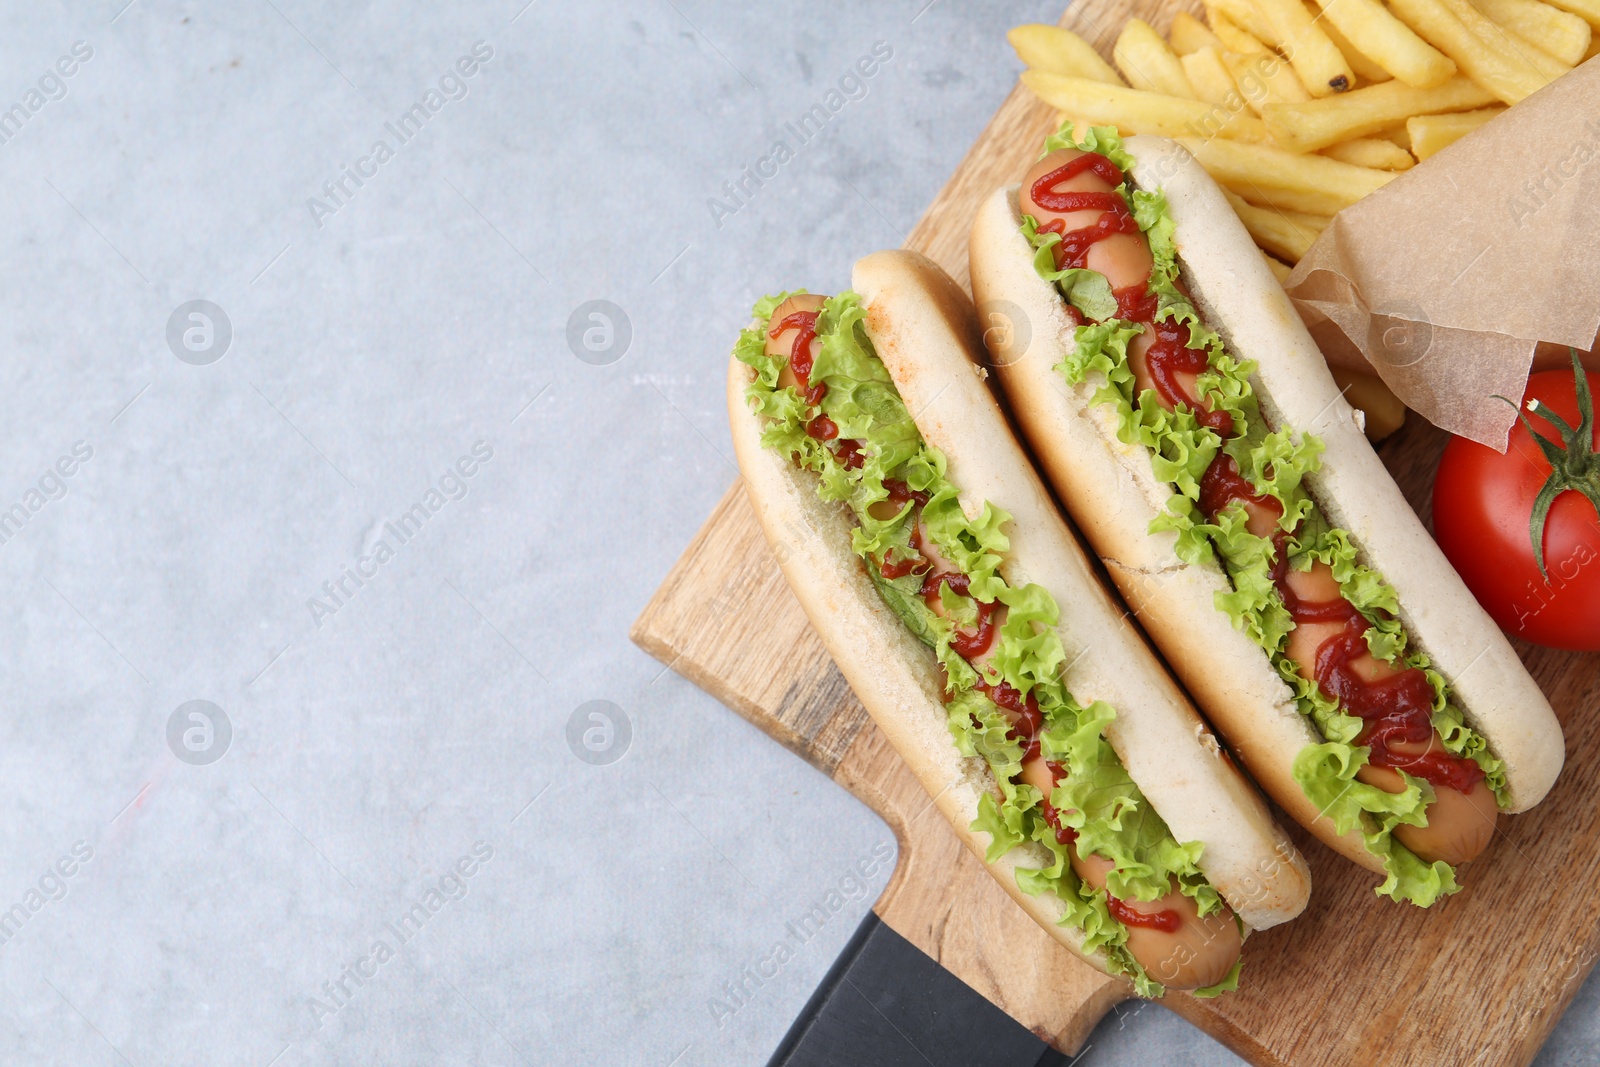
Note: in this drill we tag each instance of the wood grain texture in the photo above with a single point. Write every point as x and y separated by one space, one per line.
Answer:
1478 980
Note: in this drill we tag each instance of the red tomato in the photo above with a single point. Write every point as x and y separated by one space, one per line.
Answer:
1482 510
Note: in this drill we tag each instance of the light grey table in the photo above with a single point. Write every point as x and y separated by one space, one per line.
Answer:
386 501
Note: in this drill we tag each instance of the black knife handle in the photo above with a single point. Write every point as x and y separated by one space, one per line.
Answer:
886 1003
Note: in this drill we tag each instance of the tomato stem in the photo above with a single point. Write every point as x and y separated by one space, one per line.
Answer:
1573 463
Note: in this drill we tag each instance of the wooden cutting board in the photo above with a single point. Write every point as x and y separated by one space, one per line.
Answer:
1476 981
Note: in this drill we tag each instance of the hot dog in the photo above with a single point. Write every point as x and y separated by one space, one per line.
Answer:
878 462
1194 433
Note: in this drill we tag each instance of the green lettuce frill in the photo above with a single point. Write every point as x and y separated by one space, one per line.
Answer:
1095 796
1275 462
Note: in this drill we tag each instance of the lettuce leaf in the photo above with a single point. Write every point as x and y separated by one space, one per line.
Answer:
1275 462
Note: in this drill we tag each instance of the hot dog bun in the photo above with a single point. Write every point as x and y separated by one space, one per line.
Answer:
1111 491
924 330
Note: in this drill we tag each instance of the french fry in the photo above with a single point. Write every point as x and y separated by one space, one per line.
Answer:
1286 234
1509 76
1280 270
1245 15
1371 152
1392 44
1511 46
1362 112
1430 133
1274 178
1398 135
1561 33
1587 10
1143 112
1594 46
1235 38
1265 78
1147 63
1321 66
1366 392
1060 51
1188 35
1368 72
1210 78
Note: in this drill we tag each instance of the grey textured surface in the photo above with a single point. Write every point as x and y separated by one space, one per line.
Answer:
422 719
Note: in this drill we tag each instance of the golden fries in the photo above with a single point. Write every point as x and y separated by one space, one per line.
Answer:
1562 34
1511 46
1321 66
1371 152
1235 38
1367 393
1499 68
1284 180
1430 133
1298 108
1362 112
1280 270
1060 51
1392 44
1264 78
1368 72
1587 10
1147 63
1210 78
1397 135
1188 35
1243 14
1287 234
1143 112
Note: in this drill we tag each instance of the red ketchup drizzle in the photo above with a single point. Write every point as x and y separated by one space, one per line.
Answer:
967 645
1065 835
804 323
1135 303
1170 356
1166 920
1222 484
1114 218
849 453
822 428
1026 718
1398 708
899 495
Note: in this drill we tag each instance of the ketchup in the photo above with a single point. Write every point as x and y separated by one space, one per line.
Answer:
849 453
967 645
804 323
1170 356
822 428
1396 709
1222 484
1166 920
1135 303
900 493
1065 835
1074 247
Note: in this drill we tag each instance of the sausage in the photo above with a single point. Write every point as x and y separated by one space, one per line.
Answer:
1460 825
1124 258
1198 954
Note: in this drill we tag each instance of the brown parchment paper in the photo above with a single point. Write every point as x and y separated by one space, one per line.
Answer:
1444 280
